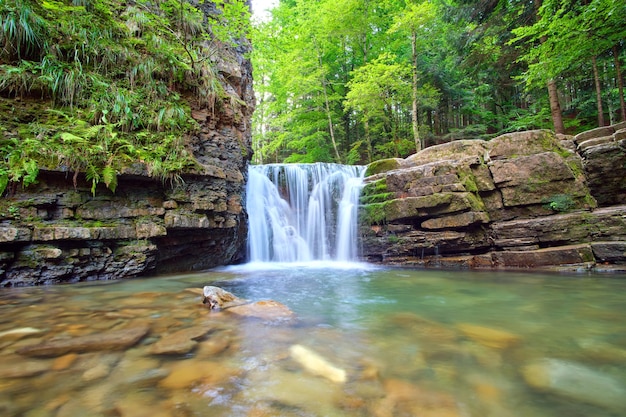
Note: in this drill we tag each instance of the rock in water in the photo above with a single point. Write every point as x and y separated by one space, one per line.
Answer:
217 297
576 382
22 332
316 364
110 340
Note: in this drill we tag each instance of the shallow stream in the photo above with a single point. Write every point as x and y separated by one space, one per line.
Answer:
410 342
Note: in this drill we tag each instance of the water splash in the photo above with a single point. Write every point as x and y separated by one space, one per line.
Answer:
303 212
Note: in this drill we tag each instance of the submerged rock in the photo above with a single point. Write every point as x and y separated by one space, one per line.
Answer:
317 365
182 341
186 374
296 391
20 368
576 382
404 398
17 334
266 310
487 336
105 341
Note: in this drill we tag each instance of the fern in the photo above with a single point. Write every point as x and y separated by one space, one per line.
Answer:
109 177
91 174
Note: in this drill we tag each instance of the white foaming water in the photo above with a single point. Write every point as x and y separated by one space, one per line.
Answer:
303 212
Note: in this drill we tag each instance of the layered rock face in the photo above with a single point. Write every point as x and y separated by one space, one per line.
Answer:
54 232
526 199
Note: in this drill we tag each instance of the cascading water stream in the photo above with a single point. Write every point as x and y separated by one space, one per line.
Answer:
303 212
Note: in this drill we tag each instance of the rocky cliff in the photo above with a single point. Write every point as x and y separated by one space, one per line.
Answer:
521 200
59 231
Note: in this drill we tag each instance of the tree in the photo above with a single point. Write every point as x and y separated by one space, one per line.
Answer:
417 19
376 90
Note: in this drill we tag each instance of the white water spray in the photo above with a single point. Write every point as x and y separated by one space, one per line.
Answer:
303 212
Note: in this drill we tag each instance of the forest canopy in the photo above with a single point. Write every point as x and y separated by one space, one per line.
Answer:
353 81
96 86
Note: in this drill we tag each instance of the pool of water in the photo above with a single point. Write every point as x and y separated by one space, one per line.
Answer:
406 342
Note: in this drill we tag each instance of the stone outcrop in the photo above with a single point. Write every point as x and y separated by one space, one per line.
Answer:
56 231
526 199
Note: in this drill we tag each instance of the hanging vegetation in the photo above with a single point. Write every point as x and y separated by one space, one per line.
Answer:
94 86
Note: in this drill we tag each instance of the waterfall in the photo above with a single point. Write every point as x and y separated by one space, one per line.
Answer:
303 212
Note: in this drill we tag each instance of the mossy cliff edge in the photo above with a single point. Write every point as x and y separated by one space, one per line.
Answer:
522 200
124 136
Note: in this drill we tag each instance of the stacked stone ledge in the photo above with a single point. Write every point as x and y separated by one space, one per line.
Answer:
522 200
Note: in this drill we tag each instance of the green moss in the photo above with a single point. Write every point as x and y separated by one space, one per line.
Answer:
375 187
376 192
468 180
375 213
382 165
377 198
476 203
590 201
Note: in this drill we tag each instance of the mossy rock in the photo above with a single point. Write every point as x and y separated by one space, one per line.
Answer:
456 150
514 145
383 165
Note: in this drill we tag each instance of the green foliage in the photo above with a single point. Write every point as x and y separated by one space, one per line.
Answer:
559 202
478 68
117 79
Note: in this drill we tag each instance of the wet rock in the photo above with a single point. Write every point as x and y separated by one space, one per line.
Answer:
562 255
99 371
490 337
317 365
405 398
293 390
185 374
105 341
217 297
609 251
600 351
140 404
267 310
576 382
64 362
133 371
180 342
16 367
20 333
216 344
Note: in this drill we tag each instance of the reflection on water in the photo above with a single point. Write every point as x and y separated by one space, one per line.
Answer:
412 343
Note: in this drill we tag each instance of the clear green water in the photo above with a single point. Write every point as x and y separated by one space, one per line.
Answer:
412 342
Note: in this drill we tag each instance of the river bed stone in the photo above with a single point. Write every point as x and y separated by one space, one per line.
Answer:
105 341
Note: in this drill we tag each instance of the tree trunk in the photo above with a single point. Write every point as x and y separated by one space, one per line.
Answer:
414 116
620 83
553 94
555 107
596 78
327 107
368 139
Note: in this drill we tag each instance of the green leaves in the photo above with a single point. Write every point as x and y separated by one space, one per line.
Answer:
119 77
